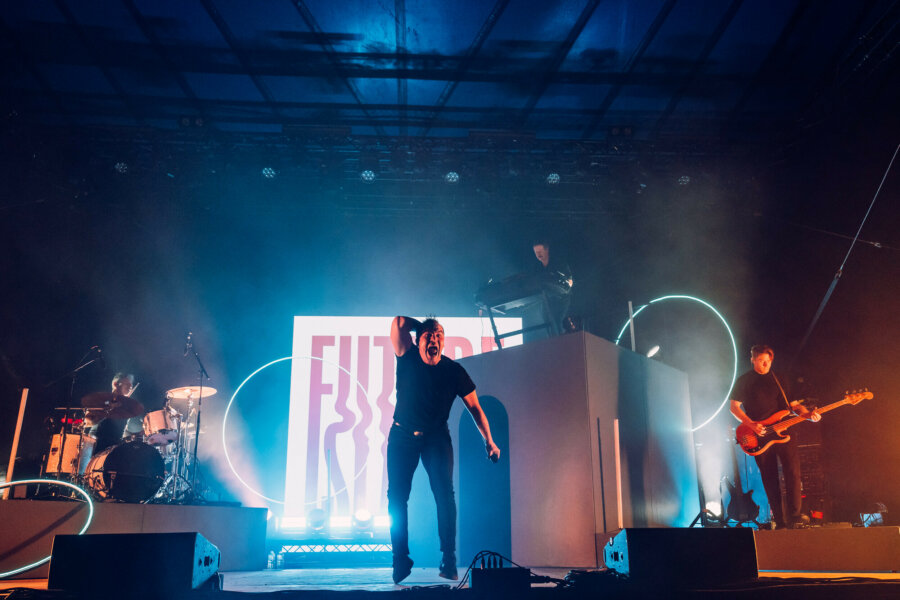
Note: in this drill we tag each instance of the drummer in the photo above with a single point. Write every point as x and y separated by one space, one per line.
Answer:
110 431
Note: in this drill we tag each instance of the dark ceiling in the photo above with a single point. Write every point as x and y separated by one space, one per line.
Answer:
412 89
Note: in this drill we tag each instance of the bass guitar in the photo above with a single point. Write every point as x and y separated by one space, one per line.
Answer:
754 444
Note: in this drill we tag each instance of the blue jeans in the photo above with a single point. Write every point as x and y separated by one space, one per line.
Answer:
403 453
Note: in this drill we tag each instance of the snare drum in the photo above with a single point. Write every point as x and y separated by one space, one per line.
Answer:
129 472
160 428
76 454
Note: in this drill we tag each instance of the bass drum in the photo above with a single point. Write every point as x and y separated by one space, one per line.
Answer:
129 472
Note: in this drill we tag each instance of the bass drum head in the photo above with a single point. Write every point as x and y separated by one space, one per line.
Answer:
129 472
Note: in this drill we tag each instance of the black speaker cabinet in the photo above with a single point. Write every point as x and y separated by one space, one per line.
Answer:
683 557
133 563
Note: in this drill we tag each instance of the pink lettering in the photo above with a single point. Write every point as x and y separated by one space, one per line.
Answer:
360 439
385 408
317 389
457 347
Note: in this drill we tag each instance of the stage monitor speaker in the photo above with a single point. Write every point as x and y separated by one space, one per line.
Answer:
133 563
684 557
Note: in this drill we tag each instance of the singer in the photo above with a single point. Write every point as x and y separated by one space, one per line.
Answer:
427 385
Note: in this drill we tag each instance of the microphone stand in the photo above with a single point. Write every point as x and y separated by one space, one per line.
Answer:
65 421
201 373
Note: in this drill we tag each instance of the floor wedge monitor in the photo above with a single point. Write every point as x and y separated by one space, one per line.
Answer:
686 557
133 563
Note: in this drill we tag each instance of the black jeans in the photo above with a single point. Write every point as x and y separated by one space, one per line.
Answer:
790 466
403 453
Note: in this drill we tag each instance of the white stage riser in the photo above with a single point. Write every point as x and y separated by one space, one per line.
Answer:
28 527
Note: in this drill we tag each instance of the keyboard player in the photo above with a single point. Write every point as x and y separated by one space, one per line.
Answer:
557 273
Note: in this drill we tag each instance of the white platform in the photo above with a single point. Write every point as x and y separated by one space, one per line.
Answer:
28 527
562 397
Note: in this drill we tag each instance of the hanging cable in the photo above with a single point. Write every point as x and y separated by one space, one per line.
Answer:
840 270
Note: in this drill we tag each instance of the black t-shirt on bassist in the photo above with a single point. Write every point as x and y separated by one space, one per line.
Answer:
760 395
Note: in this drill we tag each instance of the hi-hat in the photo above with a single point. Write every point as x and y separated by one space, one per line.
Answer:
191 392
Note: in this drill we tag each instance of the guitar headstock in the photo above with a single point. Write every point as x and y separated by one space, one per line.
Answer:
858 396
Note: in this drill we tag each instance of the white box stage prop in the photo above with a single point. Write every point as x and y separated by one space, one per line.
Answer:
570 485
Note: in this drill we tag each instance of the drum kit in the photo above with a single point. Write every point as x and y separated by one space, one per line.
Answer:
152 463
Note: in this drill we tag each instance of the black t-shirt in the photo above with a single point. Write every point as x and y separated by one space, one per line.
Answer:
556 272
759 394
425 393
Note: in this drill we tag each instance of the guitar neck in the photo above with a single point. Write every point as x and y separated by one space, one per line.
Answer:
781 426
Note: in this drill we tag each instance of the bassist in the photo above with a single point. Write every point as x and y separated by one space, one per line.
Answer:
757 395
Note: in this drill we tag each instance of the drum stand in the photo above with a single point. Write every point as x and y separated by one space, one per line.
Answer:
177 483
193 496
65 420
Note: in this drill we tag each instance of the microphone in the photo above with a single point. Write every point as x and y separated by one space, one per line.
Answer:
187 343
100 358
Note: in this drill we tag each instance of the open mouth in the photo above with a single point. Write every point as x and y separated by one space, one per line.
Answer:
432 350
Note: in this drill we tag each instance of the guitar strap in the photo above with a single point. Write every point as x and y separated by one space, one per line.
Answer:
783 395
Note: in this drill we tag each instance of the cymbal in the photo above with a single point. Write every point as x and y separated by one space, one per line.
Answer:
115 406
70 409
190 392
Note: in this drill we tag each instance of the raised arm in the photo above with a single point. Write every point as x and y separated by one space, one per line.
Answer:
471 402
401 334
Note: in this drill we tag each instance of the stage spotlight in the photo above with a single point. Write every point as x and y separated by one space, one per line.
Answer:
451 177
684 180
553 178
121 167
714 508
268 173
653 351
382 521
362 522
315 520
368 176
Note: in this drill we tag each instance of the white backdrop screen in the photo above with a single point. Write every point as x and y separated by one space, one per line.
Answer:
342 404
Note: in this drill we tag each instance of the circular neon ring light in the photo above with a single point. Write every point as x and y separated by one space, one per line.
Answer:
87 523
234 395
727 328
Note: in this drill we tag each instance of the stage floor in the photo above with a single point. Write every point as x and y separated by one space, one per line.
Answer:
379 580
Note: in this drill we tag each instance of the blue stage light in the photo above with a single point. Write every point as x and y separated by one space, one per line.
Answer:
87 523
727 329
